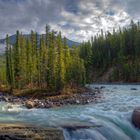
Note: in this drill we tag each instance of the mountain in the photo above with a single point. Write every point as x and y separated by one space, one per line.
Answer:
12 40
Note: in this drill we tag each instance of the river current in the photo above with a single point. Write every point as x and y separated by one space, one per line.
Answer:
110 118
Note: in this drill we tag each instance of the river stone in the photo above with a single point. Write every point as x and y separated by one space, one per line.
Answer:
30 104
133 89
21 132
136 117
102 87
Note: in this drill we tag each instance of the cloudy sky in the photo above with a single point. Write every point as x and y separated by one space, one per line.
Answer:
76 19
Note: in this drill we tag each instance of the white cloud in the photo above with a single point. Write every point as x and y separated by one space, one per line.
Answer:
77 19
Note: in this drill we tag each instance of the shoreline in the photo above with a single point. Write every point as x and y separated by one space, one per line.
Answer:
116 83
86 97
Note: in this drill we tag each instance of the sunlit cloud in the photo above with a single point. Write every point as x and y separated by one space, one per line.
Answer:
76 19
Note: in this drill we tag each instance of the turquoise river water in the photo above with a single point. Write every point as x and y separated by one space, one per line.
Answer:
111 116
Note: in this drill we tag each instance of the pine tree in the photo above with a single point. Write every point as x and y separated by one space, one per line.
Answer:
29 63
52 61
16 54
43 60
60 63
8 68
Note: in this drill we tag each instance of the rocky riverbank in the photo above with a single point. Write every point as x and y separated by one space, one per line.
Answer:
88 96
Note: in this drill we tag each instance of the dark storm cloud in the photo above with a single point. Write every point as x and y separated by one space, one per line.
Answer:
77 19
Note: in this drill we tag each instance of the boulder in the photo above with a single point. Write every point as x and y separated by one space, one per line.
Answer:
133 89
102 87
136 117
30 104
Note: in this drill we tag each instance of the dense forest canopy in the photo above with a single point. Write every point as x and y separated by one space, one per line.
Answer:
44 62
119 51
47 62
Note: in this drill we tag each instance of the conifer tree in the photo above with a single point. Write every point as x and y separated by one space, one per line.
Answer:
60 63
8 68
16 61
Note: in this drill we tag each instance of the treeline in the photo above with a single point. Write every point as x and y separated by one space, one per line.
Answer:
47 62
119 51
43 62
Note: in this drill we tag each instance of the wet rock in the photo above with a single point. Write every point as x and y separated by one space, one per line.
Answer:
77 102
96 87
136 117
102 87
88 101
41 105
30 104
47 106
133 89
22 132
6 99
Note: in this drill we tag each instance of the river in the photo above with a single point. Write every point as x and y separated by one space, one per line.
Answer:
110 117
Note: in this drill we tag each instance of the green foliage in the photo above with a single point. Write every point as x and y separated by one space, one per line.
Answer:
120 49
2 70
44 62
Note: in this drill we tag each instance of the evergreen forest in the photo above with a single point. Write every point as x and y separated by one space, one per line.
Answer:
47 62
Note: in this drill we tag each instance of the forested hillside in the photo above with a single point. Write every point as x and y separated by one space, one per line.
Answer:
46 63
117 52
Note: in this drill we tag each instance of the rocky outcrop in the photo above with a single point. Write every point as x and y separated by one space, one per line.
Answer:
21 132
136 117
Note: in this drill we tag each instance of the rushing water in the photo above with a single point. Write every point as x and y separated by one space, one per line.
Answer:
111 117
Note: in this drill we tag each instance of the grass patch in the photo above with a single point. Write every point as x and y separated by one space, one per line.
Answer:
37 93
45 93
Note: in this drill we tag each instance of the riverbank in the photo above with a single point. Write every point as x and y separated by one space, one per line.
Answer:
84 96
112 113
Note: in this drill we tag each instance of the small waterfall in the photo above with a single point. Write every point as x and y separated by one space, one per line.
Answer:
111 129
113 114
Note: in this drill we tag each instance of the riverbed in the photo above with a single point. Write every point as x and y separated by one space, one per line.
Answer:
109 119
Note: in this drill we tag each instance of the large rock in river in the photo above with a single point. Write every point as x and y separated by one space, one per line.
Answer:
136 117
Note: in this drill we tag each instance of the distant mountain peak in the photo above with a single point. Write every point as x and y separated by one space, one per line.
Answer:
12 40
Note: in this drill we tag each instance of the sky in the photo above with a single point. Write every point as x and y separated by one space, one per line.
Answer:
78 20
